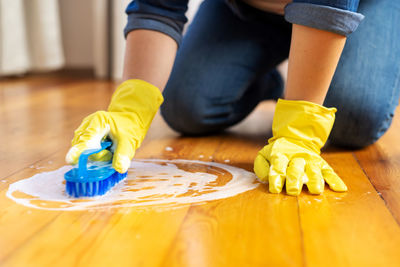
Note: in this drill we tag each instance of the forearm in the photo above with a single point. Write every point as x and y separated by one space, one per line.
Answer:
314 55
149 56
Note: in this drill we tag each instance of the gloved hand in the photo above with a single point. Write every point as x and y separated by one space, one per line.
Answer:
131 110
300 129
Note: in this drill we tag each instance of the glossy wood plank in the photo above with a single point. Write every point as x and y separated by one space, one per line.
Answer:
95 238
252 229
37 121
255 228
348 229
18 224
381 163
106 238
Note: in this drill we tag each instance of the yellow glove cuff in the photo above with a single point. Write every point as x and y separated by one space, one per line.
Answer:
305 123
136 95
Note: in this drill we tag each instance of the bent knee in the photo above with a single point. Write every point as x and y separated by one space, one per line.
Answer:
184 121
192 116
358 131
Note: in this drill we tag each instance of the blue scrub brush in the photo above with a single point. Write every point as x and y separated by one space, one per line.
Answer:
93 180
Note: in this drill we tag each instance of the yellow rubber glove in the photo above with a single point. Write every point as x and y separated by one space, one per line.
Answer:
300 129
131 110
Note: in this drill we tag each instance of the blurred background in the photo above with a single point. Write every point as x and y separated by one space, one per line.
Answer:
40 36
51 35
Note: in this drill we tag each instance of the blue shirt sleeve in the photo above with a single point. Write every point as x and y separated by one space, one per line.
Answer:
166 16
350 5
338 16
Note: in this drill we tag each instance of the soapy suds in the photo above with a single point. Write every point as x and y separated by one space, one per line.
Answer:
150 183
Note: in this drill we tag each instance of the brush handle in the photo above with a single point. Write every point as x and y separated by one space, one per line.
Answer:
83 158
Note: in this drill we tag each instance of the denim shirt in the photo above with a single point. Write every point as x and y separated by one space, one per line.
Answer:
168 16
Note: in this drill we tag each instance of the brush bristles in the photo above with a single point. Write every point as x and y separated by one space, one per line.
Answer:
90 189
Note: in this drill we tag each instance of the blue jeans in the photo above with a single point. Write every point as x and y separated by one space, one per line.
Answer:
226 66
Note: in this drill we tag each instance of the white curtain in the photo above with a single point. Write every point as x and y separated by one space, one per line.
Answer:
30 36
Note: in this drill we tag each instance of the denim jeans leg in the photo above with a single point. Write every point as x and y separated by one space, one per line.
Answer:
213 82
366 85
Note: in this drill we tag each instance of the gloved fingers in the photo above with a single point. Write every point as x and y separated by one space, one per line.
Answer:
334 181
88 138
74 152
104 155
261 168
294 176
316 181
81 129
123 154
92 125
277 172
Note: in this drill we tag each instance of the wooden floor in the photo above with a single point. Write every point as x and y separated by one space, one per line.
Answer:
357 228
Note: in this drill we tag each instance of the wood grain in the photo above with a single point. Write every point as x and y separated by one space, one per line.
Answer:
381 163
255 228
352 228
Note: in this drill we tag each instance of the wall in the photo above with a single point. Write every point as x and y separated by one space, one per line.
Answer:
77 32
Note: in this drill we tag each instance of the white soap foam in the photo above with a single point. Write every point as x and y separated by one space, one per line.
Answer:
150 182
